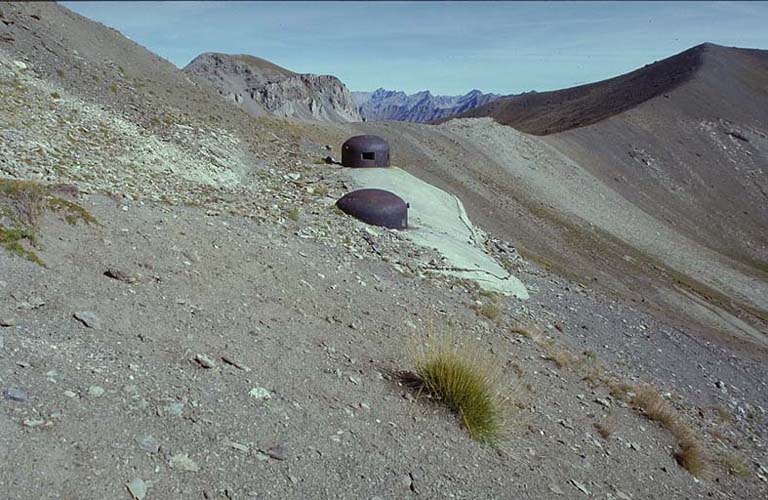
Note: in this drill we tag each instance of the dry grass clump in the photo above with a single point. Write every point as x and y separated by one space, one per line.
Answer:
621 390
490 310
690 454
293 214
468 381
527 330
560 357
589 368
654 407
604 429
73 213
735 465
723 414
22 201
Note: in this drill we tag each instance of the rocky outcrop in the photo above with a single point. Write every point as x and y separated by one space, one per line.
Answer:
261 88
422 107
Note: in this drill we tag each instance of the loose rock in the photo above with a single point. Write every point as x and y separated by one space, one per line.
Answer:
182 462
205 361
32 422
556 489
580 486
278 452
148 444
137 488
88 319
260 393
95 391
174 409
119 275
17 395
237 446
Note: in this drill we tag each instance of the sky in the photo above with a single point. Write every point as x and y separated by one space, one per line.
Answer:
446 47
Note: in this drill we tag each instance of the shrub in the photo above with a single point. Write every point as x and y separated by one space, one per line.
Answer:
468 381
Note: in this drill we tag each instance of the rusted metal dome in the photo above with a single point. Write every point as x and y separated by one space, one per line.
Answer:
376 207
365 151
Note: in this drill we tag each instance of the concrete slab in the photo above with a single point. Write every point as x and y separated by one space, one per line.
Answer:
438 220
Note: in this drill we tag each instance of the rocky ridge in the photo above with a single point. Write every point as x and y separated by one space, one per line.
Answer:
261 87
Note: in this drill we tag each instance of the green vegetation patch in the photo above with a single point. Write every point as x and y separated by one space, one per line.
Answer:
12 239
467 381
22 203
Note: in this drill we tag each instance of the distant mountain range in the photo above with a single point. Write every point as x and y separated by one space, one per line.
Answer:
420 107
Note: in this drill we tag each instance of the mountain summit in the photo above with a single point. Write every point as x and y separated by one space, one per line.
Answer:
261 87
728 74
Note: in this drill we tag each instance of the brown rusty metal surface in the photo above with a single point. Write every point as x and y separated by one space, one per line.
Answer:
376 207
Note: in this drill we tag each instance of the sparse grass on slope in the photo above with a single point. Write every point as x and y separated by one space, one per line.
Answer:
690 453
22 203
468 381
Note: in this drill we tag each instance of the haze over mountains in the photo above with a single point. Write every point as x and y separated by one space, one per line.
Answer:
223 331
421 107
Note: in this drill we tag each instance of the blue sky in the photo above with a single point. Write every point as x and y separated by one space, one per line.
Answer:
446 47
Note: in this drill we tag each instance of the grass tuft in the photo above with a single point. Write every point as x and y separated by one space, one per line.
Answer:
293 214
735 465
723 414
560 357
690 453
73 213
605 430
468 382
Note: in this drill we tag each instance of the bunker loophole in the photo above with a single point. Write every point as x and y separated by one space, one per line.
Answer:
365 151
